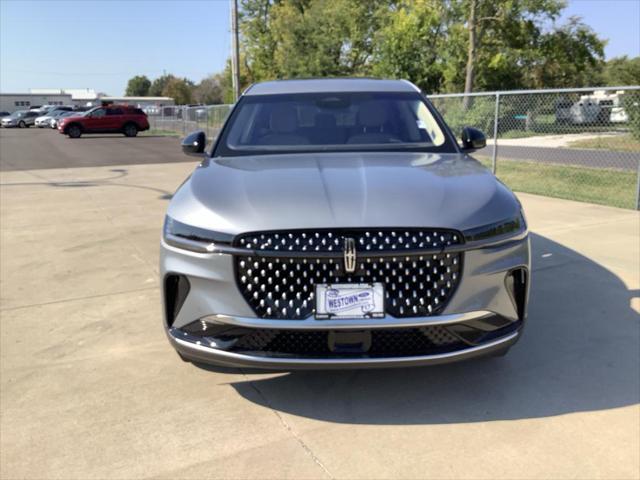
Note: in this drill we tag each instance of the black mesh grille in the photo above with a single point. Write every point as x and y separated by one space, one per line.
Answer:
284 288
384 342
332 241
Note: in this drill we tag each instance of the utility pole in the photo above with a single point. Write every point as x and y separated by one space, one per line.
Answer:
235 50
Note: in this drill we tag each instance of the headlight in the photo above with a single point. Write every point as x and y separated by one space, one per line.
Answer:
191 238
506 228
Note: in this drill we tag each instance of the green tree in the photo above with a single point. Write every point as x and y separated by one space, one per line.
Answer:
568 56
138 86
308 38
159 84
411 41
621 71
179 89
441 45
209 90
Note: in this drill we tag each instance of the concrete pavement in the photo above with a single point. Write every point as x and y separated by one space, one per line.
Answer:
90 388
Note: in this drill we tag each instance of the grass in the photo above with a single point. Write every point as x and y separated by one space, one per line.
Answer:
594 185
519 134
618 143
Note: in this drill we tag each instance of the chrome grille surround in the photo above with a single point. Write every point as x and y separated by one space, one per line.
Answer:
277 276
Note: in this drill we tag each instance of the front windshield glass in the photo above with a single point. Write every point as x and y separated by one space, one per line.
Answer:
332 122
18 114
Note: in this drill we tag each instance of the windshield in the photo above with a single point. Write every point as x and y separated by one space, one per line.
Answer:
18 114
332 122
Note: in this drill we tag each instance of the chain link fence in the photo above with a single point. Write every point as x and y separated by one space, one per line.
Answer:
184 119
578 144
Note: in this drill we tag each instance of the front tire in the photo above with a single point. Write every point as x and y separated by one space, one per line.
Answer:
22 124
74 131
130 130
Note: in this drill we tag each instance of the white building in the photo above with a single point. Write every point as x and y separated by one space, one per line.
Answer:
10 102
140 102
82 97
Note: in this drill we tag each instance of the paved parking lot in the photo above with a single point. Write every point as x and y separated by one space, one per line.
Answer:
38 148
90 388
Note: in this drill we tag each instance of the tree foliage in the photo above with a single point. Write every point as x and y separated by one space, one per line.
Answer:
179 89
138 86
622 71
308 38
210 90
159 84
425 41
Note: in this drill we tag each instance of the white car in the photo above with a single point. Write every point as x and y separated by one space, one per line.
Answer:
53 121
45 120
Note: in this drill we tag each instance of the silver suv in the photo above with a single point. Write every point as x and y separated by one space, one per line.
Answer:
20 119
338 223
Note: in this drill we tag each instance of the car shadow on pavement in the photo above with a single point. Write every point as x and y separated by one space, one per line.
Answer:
579 352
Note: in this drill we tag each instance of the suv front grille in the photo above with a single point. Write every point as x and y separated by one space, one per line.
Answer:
280 287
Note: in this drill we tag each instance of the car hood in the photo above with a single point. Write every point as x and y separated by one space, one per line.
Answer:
391 189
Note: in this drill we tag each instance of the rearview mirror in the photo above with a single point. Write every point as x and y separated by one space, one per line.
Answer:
472 139
194 144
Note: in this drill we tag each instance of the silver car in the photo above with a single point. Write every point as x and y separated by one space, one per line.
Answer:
20 119
44 119
338 224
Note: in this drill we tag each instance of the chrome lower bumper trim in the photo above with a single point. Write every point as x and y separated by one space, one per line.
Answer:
201 353
346 324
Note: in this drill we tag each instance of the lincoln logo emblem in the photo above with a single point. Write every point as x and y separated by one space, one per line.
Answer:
349 255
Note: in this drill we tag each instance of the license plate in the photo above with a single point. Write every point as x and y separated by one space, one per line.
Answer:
350 300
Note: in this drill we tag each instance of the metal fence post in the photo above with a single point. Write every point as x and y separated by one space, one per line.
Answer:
494 158
638 188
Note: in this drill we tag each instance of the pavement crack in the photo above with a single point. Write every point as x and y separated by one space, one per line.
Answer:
76 299
288 428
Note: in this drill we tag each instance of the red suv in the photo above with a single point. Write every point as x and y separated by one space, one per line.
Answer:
110 119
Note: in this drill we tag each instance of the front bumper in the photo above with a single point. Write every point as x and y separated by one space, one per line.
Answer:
213 296
194 350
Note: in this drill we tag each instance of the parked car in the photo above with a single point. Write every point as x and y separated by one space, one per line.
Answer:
601 107
2 115
45 119
20 118
110 119
53 121
338 223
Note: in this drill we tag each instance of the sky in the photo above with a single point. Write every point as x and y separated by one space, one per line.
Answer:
101 44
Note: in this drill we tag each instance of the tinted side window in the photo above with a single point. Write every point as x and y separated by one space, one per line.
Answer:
115 111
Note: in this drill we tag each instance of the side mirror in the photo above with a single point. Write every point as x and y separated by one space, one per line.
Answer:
194 144
472 139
